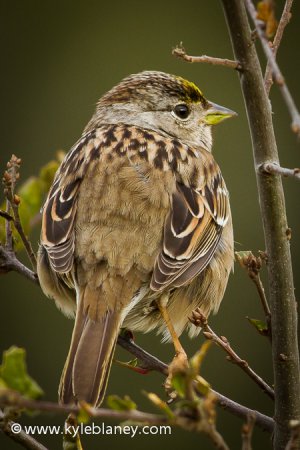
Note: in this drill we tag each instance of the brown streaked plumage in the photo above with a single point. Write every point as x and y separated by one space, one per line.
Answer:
137 210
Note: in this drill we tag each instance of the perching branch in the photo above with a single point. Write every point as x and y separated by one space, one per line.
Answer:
284 20
272 204
274 168
21 438
180 52
199 319
152 363
276 72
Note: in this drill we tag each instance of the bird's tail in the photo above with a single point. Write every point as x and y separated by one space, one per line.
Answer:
91 352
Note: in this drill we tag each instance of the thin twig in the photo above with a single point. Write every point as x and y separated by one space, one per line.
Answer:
9 242
153 363
26 242
277 75
9 262
283 171
253 265
284 20
6 215
261 420
12 398
15 400
262 295
181 53
9 179
199 319
247 431
21 437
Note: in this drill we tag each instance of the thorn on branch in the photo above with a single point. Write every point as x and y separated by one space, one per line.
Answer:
180 52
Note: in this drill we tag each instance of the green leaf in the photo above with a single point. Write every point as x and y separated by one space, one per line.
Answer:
13 373
202 386
197 360
83 416
159 403
120 404
259 325
179 383
129 364
133 365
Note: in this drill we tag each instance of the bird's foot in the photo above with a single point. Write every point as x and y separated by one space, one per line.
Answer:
179 364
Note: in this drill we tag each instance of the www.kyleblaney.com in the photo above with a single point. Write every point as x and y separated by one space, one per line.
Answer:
93 429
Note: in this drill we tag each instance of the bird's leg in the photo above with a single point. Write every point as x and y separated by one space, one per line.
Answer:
180 360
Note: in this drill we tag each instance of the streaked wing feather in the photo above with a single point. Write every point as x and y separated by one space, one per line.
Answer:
60 207
192 232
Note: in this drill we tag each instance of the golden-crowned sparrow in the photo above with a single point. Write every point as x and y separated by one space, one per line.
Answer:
137 227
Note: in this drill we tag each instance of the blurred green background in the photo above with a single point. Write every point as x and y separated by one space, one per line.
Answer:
58 58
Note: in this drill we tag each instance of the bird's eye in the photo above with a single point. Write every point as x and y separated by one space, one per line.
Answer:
182 111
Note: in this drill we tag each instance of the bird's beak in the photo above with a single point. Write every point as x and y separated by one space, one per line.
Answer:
216 113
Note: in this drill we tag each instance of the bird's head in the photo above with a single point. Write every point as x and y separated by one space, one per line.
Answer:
166 103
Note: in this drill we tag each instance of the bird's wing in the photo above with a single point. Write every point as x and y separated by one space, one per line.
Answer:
59 210
192 231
